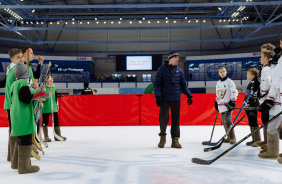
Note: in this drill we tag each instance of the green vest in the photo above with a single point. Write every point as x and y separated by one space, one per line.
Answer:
9 80
22 118
47 103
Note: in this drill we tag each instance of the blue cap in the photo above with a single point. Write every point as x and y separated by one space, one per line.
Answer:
172 54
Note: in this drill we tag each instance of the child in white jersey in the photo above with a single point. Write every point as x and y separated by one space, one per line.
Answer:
226 92
273 105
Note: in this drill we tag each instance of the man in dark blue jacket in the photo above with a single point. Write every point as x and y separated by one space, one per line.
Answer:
168 85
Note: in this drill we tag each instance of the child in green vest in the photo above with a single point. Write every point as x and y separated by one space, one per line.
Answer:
22 119
16 56
46 111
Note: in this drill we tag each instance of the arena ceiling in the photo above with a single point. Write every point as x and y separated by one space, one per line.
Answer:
245 17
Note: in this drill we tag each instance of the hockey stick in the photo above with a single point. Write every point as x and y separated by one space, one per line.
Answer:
35 142
219 143
37 157
208 162
43 84
229 107
216 143
55 135
39 124
206 142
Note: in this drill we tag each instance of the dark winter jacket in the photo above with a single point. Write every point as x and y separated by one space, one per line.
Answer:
87 91
253 87
170 82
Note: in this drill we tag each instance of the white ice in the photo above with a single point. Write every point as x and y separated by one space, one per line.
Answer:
129 155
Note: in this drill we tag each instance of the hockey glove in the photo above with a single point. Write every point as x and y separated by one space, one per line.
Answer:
189 101
158 101
216 106
267 105
232 104
275 55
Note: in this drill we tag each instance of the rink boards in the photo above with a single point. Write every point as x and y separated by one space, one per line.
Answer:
131 110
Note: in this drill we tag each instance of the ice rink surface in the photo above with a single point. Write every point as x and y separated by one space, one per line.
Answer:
129 155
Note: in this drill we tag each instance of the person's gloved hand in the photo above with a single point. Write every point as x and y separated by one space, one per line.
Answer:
267 105
158 101
190 101
232 104
216 106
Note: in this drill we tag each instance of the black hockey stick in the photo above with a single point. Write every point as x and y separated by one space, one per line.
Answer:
208 162
218 144
229 107
206 142
229 129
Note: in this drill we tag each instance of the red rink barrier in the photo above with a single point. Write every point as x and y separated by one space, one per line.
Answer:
131 110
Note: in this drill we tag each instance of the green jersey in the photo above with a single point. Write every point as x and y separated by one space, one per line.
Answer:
9 80
22 118
47 103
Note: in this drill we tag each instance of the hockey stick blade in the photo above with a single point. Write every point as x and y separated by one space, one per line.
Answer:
208 143
201 161
215 147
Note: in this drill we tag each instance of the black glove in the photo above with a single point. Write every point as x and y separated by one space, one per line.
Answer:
158 101
232 104
267 105
189 101
216 106
275 55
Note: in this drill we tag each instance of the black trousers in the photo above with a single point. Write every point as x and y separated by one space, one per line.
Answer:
264 117
25 140
175 117
252 117
46 119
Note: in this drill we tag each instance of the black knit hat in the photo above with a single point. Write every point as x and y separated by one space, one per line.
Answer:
172 54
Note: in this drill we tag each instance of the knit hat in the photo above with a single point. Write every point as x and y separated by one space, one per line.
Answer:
172 54
21 71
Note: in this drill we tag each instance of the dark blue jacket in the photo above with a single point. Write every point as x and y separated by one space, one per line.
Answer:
170 82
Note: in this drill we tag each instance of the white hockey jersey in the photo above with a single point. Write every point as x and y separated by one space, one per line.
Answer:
264 82
275 92
225 91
